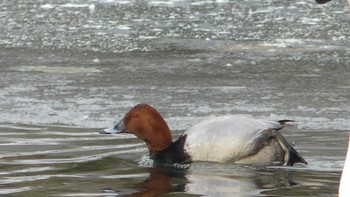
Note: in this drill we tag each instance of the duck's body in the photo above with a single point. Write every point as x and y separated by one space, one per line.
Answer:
234 139
238 139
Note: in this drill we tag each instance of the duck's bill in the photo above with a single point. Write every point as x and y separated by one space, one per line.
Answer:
119 128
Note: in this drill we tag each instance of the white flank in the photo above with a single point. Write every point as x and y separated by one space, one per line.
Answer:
224 138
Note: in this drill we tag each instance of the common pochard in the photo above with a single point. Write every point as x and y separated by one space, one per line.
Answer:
230 138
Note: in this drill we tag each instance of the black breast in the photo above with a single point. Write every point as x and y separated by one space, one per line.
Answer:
175 153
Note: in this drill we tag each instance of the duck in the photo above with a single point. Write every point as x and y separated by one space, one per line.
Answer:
225 139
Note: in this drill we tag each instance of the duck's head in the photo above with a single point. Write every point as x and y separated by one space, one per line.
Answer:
147 124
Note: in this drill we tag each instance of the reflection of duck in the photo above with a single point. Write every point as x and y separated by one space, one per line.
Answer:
234 139
158 182
205 180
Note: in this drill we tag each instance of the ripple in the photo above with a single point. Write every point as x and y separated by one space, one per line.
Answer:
28 170
57 69
16 190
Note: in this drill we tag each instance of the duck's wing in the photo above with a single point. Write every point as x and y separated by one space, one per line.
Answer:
234 123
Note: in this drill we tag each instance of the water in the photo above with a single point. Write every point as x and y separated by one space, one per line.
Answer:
71 68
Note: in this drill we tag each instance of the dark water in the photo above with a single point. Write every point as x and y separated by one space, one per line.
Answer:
70 68
66 161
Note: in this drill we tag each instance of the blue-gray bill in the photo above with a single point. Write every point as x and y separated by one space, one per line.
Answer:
119 128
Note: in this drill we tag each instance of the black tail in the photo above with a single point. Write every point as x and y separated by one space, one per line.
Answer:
292 156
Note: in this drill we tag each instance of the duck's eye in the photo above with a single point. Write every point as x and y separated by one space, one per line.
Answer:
134 115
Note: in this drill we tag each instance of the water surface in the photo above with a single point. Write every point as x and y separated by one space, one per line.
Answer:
71 68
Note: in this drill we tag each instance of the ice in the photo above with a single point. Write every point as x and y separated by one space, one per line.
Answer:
73 5
47 6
